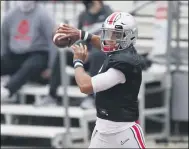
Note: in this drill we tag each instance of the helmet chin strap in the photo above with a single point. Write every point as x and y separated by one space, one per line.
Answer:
109 48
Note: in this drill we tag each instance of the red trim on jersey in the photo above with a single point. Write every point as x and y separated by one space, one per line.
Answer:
137 122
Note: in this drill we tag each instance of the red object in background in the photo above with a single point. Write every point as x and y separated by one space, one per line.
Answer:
23 27
161 10
23 30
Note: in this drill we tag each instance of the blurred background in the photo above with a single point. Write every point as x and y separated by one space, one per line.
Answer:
41 105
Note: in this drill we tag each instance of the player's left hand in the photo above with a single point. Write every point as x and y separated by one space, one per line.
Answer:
80 52
70 32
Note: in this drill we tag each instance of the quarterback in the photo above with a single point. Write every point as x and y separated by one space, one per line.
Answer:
117 84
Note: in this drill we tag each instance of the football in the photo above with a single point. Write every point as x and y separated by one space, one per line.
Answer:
60 43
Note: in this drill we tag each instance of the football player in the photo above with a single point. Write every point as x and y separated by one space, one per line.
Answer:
117 84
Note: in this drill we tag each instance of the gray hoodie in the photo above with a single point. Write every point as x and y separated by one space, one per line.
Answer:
24 32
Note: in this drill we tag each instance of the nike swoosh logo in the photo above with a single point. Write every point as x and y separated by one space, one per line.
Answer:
123 142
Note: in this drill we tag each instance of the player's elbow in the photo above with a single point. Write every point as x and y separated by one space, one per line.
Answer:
86 89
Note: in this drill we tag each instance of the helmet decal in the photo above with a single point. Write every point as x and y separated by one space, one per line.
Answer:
112 17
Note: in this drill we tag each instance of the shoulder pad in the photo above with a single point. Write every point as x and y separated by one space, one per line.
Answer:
125 62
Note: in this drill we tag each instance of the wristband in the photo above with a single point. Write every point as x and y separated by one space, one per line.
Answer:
85 36
78 64
77 60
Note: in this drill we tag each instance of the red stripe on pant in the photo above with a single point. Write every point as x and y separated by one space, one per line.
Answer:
138 136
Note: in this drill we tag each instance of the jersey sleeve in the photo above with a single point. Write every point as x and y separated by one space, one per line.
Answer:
106 80
120 63
126 63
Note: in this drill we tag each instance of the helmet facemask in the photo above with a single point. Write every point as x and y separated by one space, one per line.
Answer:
110 39
115 39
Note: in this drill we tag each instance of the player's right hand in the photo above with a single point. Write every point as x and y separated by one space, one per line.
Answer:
71 32
80 52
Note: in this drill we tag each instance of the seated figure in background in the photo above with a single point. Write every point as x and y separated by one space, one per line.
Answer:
27 50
